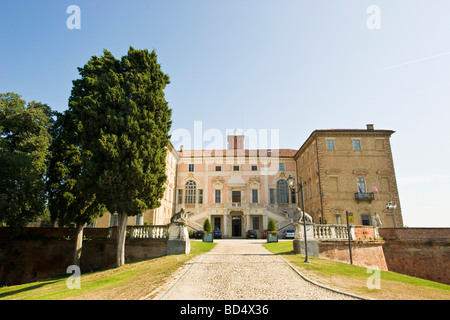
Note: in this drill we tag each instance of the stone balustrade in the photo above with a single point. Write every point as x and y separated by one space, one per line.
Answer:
147 232
326 231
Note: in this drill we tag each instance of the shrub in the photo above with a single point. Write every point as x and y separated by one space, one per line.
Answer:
207 226
271 226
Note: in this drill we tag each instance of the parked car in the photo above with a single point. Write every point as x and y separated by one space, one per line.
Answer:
198 234
289 234
264 234
217 234
251 234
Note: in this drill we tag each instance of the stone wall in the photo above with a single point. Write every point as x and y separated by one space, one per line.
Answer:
41 253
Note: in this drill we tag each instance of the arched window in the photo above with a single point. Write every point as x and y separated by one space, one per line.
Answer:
190 192
282 191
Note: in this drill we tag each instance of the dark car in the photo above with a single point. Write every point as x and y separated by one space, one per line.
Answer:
251 234
264 234
198 234
217 234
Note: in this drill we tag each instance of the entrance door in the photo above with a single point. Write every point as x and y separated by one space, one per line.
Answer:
236 226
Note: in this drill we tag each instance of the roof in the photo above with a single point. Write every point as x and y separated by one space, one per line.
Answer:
282 153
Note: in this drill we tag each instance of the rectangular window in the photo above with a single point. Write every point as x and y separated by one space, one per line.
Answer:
255 223
139 220
235 168
180 196
361 182
293 200
200 196
254 168
338 218
254 196
191 167
218 168
356 144
330 144
236 196
281 167
217 196
318 187
272 195
113 220
365 219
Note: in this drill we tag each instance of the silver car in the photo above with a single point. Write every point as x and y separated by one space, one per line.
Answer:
289 234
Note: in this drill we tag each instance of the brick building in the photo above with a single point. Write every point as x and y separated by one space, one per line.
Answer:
349 170
239 189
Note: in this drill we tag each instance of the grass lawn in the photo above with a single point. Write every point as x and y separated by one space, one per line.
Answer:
355 279
130 281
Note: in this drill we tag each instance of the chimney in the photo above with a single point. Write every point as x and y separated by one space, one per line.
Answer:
235 141
370 127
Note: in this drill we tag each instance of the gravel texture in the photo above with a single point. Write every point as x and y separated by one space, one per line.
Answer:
244 270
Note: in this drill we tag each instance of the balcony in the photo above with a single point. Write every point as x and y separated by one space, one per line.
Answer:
365 196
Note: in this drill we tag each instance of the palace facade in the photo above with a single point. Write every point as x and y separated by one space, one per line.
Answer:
240 189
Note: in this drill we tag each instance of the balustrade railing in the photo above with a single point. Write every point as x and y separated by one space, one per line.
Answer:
325 231
147 232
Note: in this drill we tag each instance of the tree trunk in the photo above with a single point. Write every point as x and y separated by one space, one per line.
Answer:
121 235
78 244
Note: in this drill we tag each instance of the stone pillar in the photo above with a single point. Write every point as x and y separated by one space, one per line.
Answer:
299 240
178 241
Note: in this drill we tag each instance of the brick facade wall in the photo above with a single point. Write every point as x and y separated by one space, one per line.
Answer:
43 253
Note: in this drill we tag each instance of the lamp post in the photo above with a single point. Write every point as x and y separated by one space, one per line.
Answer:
392 206
300 187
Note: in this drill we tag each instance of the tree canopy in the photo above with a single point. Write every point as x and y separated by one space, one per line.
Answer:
24 153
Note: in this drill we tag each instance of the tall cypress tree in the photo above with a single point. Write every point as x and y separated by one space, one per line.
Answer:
123 122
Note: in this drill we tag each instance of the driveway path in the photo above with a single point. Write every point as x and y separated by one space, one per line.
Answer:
244 270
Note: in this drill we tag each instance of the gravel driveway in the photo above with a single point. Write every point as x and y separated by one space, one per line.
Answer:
244 270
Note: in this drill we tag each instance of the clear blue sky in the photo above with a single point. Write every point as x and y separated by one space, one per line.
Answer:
290 65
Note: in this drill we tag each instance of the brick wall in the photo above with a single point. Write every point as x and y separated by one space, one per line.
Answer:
416 234
36 255
364 253
418 252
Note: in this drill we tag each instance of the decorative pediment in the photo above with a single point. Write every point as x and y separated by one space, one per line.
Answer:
282 175
218 181
360 172
333 171
383 172
254 182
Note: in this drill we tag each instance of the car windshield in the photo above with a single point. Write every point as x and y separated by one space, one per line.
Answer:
290 231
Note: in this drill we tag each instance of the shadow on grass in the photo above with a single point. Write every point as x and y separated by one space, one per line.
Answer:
13 292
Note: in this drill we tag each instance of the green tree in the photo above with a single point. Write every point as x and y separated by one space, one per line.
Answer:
123 123
68 202
207 225
24 144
